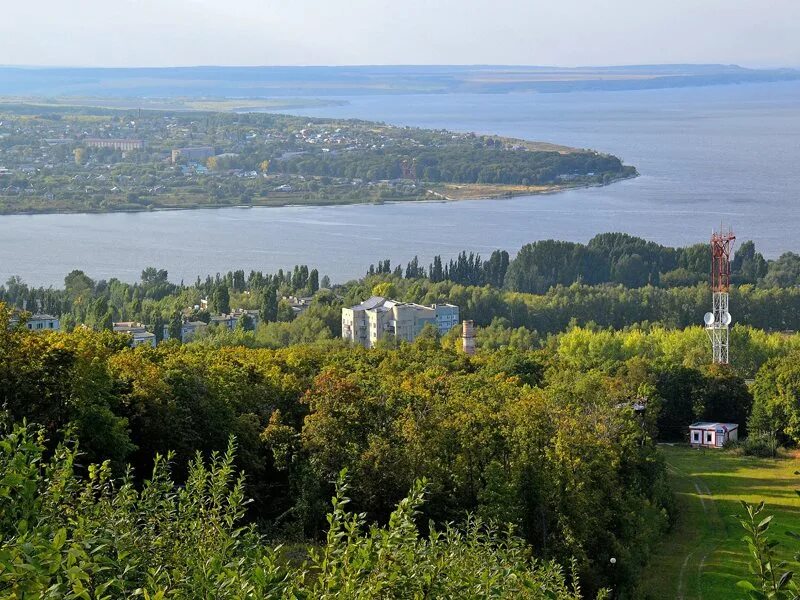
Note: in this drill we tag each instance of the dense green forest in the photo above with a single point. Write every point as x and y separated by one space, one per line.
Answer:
492 292
484 162
505 436
607 258
544 439
528 458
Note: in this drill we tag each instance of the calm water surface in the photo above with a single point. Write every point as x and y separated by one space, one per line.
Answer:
705 154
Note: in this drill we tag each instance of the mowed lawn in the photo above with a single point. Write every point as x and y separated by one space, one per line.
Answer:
703 556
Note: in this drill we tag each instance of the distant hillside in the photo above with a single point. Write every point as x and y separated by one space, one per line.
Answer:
259 82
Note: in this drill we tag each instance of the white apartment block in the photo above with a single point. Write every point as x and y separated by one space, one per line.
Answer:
377 317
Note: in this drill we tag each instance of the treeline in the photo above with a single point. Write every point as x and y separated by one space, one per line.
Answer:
629 261
466 269
776 411
605 306
607 258
461 163
503 314
765 294
155 301
508 435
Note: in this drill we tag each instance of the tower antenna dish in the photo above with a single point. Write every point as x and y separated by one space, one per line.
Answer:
718 321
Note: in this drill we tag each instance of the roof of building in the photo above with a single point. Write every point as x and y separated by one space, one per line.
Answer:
381 304
370 303
143 334
713 426
42 317
128 326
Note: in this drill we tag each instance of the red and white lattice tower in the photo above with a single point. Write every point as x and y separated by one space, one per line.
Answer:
718 321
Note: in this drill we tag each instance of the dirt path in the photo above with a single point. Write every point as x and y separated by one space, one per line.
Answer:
708 536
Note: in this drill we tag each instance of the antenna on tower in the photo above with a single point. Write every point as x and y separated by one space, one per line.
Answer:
718 321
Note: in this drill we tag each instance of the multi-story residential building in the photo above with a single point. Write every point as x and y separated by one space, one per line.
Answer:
115 143
137 331
377 317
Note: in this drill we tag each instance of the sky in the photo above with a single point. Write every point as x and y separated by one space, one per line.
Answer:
757 33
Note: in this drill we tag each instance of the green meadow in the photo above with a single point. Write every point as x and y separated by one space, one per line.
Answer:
704 556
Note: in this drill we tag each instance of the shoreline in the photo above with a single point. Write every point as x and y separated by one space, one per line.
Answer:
500 194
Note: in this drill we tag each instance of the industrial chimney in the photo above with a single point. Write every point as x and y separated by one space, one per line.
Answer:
468 337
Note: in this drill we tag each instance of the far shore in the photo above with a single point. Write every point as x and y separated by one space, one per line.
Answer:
449 192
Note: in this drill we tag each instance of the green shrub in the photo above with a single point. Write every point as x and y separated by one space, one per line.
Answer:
762 445
68 536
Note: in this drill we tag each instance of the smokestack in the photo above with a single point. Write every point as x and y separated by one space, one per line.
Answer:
468 337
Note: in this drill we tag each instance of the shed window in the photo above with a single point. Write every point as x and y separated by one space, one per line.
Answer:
695 436
708 437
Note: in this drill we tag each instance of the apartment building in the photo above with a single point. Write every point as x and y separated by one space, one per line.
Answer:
139 334
377 317
115 143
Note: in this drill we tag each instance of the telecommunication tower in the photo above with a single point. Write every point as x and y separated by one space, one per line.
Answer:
719 319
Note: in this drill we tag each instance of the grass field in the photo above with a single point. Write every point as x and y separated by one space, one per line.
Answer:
703 556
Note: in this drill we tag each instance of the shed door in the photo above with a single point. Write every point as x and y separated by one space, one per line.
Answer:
720 438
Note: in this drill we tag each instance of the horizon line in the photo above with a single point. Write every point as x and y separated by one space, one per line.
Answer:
379 65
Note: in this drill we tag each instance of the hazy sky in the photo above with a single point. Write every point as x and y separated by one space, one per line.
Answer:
327 32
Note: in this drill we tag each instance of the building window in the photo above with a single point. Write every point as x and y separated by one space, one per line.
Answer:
695 436
708 437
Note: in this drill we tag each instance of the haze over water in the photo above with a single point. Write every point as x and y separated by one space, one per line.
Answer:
725 153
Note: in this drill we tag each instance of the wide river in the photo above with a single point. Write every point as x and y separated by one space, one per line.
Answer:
706 155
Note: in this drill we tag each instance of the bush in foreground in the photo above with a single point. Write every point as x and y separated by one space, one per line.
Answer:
67 535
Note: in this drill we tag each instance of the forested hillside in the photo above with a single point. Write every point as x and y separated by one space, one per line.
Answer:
546 439
507 436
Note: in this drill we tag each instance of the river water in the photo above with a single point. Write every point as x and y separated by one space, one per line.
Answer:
706 155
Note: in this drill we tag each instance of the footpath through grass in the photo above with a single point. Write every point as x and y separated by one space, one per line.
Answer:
703 556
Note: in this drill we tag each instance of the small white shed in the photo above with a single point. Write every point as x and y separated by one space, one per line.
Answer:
704 434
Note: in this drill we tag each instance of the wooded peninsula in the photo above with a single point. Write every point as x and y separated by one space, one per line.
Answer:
72 159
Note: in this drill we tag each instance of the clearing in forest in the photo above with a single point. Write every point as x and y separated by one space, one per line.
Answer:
703 556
